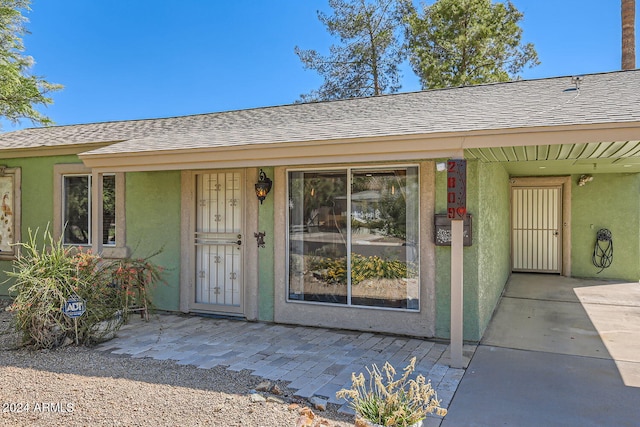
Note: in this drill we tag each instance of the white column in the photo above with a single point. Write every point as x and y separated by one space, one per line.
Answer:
457 276
96 212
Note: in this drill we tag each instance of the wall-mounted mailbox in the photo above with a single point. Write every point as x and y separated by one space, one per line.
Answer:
443 230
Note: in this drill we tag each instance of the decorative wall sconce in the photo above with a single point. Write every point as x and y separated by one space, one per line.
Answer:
584 179
263 186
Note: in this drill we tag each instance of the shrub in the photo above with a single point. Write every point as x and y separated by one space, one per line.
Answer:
133 277
362 268
47 276
385 401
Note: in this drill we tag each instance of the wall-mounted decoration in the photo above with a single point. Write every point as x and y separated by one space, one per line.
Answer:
457 189
443 230
9 212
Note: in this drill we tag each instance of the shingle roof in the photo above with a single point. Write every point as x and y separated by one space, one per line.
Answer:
602 98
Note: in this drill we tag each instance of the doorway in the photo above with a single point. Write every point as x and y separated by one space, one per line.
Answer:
540 225
218 241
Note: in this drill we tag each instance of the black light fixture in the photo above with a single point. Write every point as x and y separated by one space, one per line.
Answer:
263 186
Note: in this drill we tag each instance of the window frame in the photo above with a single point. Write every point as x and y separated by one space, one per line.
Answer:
348 169
15 204
117 250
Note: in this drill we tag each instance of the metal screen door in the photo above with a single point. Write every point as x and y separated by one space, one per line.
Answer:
218 242
536 229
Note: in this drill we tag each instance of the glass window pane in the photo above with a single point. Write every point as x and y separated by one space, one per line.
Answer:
76 209
108 209
384 238
317 236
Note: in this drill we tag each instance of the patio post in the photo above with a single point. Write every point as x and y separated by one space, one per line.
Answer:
457 212
457 276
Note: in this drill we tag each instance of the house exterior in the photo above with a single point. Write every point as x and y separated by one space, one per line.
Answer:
353 229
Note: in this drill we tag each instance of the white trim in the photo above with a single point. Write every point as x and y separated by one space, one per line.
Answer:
349 171
355 150
16 208
249 274
420 322
119 249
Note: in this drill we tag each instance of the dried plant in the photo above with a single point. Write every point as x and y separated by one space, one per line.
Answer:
45 276
386 401
47 273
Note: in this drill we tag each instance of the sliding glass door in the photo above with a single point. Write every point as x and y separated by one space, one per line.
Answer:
353 236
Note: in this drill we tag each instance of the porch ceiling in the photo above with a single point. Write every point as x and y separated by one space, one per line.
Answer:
561 159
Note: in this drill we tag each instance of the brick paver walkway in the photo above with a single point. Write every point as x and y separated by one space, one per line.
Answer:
315 361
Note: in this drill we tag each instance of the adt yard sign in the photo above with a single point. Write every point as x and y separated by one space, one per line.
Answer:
74 307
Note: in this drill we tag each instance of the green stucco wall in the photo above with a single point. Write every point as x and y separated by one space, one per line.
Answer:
152 217
153 223
266 256
493 228
609 201
486 262
37 199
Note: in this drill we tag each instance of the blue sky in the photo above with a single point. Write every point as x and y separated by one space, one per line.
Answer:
134 59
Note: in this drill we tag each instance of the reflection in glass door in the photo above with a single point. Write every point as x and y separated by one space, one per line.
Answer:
353 237
384 234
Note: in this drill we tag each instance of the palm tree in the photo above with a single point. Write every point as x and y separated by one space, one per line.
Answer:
628 34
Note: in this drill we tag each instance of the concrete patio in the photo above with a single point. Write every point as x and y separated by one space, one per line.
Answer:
315 361
558 352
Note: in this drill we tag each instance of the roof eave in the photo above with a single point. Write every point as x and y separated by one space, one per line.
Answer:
51 150
355 150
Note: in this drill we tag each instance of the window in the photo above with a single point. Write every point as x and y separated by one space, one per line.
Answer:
74 205
353 237
77 214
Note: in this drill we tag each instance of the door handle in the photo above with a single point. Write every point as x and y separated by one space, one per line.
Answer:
239 242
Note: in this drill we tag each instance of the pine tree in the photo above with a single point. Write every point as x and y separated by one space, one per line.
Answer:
465 42
366 63
20 90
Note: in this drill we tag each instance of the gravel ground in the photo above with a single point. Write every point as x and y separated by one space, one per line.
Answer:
77 386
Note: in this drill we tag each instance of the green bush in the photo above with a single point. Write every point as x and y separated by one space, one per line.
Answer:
374 267
362 268
47 276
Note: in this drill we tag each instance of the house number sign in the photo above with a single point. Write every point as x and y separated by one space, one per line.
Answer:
457 189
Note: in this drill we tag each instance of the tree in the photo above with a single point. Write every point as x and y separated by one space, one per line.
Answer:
628 34
366 63
20 90
465 42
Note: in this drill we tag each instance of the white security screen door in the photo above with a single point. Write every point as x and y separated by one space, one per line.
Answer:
536 229
218 242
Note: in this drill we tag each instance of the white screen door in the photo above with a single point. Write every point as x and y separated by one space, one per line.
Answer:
536 231
218 242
